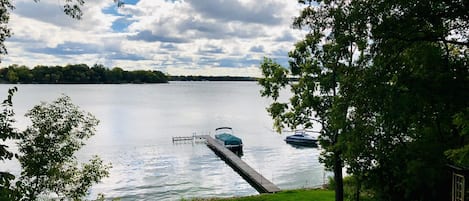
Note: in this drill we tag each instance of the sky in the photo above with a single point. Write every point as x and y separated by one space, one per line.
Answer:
186 37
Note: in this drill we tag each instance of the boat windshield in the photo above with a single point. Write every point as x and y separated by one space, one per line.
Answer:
221 130
302 133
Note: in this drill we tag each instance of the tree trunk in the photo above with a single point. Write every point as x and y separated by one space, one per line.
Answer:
358 185
339 182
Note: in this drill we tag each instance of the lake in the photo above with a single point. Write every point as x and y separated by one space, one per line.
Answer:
137 123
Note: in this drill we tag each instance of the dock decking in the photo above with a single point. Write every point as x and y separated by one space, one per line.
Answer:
259 182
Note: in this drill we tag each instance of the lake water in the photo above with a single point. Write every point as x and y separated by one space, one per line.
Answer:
137 123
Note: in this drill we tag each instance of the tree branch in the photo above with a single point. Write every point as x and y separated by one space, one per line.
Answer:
430 39
317 120
455 42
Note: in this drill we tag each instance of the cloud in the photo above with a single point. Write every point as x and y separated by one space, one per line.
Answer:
257 48
52 12
237 63
68 48
211 49
212 29
148 36
286 36
234 10
44 11
176 36
124 56
168 46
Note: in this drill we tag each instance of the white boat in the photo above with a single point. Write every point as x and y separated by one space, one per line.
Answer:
302 138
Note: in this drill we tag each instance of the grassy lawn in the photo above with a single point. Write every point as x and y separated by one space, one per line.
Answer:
291 195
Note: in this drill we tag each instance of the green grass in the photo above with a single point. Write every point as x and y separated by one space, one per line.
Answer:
291 195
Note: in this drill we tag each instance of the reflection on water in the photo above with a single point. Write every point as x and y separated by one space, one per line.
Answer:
300 145
139 121
158 172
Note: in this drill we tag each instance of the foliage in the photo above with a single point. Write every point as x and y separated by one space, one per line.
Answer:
47 150
78 74
81 178
405 100
7 132
289 195
352 189
5 32
460 156
6 127
321 62
386 80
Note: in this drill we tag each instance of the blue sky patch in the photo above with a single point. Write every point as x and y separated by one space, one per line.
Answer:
121 24
67 48
131 2
111 10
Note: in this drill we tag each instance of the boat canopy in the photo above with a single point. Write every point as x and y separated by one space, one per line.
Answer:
220 128
229 139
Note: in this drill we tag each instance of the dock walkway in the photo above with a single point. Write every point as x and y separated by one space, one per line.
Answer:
259 182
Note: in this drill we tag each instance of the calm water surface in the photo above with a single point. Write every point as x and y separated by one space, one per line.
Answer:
137 123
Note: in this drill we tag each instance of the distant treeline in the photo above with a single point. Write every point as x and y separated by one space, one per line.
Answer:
77 74
217 78
97 74
210 78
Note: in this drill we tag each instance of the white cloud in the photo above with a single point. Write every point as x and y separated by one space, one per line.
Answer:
215 37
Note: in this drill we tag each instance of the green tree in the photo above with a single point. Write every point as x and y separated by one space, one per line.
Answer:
78 74
12 76
47 152
98 74
5 32
25 76
405 100
460 155
321 62
116 75
386 81
7 132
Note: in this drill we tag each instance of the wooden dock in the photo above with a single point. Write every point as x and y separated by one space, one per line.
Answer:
259 182
184 139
